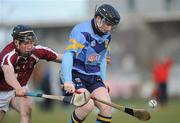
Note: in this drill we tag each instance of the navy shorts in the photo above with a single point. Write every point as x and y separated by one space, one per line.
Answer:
89 82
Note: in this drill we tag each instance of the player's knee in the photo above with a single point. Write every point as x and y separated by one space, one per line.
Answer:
105 110
83 111
90 106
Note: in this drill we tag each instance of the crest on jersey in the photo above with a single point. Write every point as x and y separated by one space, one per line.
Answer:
93 58
93 43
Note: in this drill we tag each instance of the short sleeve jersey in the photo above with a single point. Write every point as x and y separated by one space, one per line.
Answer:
23 67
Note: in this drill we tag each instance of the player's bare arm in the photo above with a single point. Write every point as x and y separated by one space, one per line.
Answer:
59 58
11 79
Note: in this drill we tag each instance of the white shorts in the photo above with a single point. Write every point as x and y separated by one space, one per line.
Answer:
5 98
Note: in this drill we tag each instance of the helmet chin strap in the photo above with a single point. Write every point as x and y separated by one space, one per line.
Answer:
26 54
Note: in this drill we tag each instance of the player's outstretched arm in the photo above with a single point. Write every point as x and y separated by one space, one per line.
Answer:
59 58
11 79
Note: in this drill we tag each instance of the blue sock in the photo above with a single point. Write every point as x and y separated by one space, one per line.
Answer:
98 121
103 119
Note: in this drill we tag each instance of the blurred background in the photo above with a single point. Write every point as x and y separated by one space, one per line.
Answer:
147 35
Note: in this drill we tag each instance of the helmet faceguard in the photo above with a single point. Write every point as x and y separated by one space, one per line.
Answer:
108 15
26 37
24 34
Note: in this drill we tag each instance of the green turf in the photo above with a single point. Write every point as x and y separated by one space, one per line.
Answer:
60 114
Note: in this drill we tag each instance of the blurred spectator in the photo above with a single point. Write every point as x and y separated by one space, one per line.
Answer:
161 70
42 78
46 88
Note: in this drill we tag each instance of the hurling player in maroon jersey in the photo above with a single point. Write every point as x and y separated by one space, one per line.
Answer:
17 61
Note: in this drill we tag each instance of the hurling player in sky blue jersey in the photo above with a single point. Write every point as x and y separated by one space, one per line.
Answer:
84 62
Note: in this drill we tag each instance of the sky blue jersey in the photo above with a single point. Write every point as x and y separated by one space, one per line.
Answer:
89 48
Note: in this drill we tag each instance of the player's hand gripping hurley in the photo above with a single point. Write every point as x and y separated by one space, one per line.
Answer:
77 99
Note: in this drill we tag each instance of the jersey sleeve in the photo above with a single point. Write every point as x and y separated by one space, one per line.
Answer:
45 53
67 63
8 59
76 41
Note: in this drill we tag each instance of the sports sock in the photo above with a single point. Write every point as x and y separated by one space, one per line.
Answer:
74 119
103 119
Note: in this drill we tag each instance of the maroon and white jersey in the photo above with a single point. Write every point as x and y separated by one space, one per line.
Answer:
23 67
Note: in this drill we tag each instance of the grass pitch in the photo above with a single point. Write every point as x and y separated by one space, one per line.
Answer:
61 114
